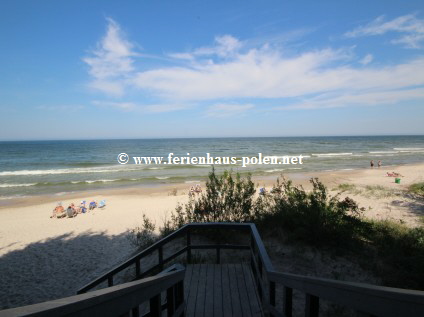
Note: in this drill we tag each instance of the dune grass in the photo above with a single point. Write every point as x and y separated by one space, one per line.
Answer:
392 250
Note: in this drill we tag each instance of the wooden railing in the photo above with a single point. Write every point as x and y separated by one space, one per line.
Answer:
367 299
119 300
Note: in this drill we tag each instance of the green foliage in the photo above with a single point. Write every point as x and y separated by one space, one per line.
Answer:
144 236
402 250
417 189
346 187
314 217
227 197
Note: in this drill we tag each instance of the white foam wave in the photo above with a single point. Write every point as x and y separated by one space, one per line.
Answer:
162 177
408 148
66 171
383 152
331 154
190 182
102 181
275 170
16 185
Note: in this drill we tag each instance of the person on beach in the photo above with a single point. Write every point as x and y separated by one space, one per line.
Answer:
58 211
71 212
198 189
92 205
379 164
372 164
191 192
82 208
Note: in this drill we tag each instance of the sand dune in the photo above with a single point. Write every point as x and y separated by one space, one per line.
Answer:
43 258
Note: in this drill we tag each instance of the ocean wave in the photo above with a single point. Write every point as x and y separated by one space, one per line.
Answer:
331 154
16 185
162 177
408 148
275 170
192 181
67 171
383 152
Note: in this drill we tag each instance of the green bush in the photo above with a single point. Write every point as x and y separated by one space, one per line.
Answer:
143 236
393 250
417 189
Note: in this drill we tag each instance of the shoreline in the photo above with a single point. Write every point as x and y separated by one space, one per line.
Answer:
68 249
300 178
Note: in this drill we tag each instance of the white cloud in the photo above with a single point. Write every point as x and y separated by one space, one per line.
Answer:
126 106
134 107
367 59
361 99
230 69
112 61
68 108
226 110
411 28
267 74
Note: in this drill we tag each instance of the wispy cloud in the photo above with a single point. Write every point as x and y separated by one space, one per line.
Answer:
227 110
134 107
126 106
362 99
409 26
233 69
67 108
112 61
367 59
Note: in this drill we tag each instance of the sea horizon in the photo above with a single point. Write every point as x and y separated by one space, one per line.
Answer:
30 168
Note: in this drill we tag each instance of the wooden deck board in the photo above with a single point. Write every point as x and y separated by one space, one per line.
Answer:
220 290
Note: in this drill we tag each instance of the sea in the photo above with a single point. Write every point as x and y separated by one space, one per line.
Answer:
30 168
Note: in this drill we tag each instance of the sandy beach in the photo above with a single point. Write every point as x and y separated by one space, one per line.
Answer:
43 258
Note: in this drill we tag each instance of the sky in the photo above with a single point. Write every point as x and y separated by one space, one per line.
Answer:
160 69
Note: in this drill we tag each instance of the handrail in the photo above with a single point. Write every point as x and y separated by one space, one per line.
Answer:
372 299
113 301
366 298
157 246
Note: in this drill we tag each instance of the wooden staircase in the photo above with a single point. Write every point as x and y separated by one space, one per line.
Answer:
196 288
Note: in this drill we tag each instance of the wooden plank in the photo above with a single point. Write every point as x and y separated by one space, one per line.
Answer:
187 280
255 305
235 297
217 294
201 291
226 292
209 295
241 287
191 301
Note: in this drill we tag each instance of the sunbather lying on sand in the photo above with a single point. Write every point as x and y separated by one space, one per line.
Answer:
394 174
58 211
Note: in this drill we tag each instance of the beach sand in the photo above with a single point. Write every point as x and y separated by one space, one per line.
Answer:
43 258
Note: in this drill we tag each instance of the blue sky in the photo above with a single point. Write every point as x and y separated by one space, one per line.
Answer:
152 69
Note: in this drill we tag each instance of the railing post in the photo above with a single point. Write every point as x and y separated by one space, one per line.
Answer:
179 295
288 301
135 311
160 253
272 294
110 280
312 306
170 301
155 306
137 268
188 245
